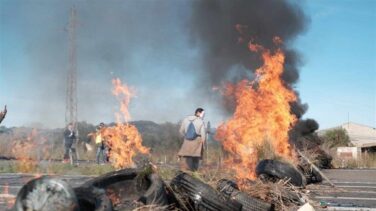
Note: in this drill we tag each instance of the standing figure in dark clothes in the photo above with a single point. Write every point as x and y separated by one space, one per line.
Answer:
69 139
3 113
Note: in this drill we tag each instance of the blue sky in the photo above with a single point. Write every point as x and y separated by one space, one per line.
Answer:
338 73
338 77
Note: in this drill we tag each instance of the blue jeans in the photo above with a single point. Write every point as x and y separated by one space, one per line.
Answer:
101 152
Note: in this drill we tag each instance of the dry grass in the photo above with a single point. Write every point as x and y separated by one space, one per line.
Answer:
282 194
53 168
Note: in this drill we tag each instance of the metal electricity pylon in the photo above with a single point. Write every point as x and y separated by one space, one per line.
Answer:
71 95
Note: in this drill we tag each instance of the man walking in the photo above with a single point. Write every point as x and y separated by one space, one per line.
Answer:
194 132
69 139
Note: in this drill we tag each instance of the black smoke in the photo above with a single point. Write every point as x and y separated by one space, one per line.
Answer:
222 29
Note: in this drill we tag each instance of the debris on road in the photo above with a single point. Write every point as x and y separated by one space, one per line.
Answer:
143 189
276 170
231 190
46 194
201 196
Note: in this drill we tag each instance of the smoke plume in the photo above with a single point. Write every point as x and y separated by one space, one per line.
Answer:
223 28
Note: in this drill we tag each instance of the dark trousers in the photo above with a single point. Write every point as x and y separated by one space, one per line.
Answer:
67 147
192 163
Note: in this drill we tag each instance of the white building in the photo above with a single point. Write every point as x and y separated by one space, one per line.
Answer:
361 136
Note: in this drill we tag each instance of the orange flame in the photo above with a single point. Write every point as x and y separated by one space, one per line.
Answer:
24 151
123 139
124 95
262 114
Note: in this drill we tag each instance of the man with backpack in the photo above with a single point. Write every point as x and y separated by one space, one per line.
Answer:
194 133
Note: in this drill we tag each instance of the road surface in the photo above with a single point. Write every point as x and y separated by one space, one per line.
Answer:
355 189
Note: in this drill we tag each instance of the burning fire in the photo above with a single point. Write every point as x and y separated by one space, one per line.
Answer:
123 139
24 151
262 113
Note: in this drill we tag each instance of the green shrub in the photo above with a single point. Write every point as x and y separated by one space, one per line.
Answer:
336 138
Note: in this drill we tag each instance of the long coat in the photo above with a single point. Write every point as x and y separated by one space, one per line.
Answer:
193 148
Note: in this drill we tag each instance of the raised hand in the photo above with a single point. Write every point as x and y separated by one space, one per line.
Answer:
3 113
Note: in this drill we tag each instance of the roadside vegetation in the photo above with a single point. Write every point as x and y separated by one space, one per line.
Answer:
332 139
336 138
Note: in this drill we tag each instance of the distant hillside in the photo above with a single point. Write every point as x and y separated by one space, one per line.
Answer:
155 136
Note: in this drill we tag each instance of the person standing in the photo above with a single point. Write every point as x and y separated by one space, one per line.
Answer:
194 133
99 142
69 139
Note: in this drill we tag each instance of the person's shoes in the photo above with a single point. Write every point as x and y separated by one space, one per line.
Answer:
65 161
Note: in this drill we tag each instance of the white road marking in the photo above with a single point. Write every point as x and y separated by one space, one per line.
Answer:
352 208
10 186
347 198
355 186
5 195
345 182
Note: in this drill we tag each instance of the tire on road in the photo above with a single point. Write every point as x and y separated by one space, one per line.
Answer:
45 194
133 185
93 199
231 190
279 170
200 196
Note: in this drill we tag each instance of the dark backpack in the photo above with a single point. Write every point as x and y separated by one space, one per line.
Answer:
191 132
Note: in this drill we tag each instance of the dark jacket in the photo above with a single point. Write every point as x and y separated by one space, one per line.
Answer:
69 137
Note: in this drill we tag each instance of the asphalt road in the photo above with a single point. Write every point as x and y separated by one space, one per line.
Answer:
355 189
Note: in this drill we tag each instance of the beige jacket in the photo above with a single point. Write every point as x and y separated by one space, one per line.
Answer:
195 147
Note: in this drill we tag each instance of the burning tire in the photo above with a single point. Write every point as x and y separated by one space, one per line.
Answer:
276 170
310 174
231 190
93 199
45 194
130 188
200 196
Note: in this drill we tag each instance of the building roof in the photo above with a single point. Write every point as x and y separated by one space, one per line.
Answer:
360 135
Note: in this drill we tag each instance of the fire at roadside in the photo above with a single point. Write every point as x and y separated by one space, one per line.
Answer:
274 181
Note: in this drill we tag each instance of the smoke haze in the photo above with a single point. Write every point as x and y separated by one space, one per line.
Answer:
171 52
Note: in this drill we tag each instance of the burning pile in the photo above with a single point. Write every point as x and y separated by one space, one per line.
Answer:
27 151
123 140
262 114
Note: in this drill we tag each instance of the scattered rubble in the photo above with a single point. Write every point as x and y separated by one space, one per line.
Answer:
144 189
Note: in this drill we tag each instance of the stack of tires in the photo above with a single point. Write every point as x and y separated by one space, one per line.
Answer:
231 190
198 195
132 187
128 189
